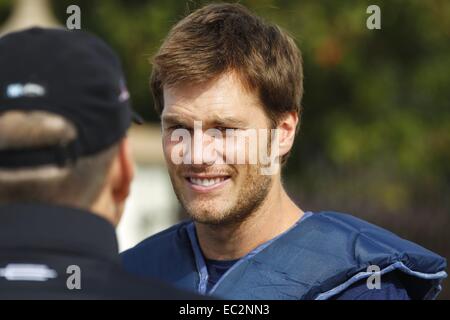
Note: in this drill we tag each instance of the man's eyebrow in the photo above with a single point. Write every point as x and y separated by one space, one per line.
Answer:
172 118
220 121
228 121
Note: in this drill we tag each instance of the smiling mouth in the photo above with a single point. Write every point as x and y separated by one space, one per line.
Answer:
207 183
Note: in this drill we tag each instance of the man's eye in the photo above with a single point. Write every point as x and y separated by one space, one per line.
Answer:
177 126
224 129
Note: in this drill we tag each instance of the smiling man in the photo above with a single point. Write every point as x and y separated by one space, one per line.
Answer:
221 77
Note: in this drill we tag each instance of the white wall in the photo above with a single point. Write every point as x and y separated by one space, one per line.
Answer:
152 206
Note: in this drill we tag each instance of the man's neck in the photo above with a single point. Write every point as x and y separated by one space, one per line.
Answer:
276 215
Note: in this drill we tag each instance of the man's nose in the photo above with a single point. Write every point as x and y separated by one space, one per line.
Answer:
207 149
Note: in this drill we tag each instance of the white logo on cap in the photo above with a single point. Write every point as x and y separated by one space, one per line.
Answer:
17 90
124 95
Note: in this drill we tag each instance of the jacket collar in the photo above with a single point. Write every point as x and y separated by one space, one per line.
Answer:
38 227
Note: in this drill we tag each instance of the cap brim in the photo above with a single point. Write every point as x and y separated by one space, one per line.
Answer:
137 118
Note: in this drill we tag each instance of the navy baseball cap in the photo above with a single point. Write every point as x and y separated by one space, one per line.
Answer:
69 73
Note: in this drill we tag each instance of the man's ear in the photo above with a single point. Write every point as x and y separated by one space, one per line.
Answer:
124 173
287 128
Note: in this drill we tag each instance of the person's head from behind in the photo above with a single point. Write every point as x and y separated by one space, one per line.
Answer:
99 182
64 115
228 69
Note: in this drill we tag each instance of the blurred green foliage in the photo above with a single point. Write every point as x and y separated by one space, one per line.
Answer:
375 136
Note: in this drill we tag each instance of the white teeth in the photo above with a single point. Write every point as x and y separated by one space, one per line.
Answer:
206 182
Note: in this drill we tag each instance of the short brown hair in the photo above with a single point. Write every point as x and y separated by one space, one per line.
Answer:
220 38
77 184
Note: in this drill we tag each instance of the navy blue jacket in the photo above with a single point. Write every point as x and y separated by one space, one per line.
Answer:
318 258
39 242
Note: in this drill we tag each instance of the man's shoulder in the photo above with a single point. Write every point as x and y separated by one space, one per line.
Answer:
160 238
372 243
391 288
350 222
367 245
164 247
364 233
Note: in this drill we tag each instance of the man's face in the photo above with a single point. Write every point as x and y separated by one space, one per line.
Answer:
212 192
